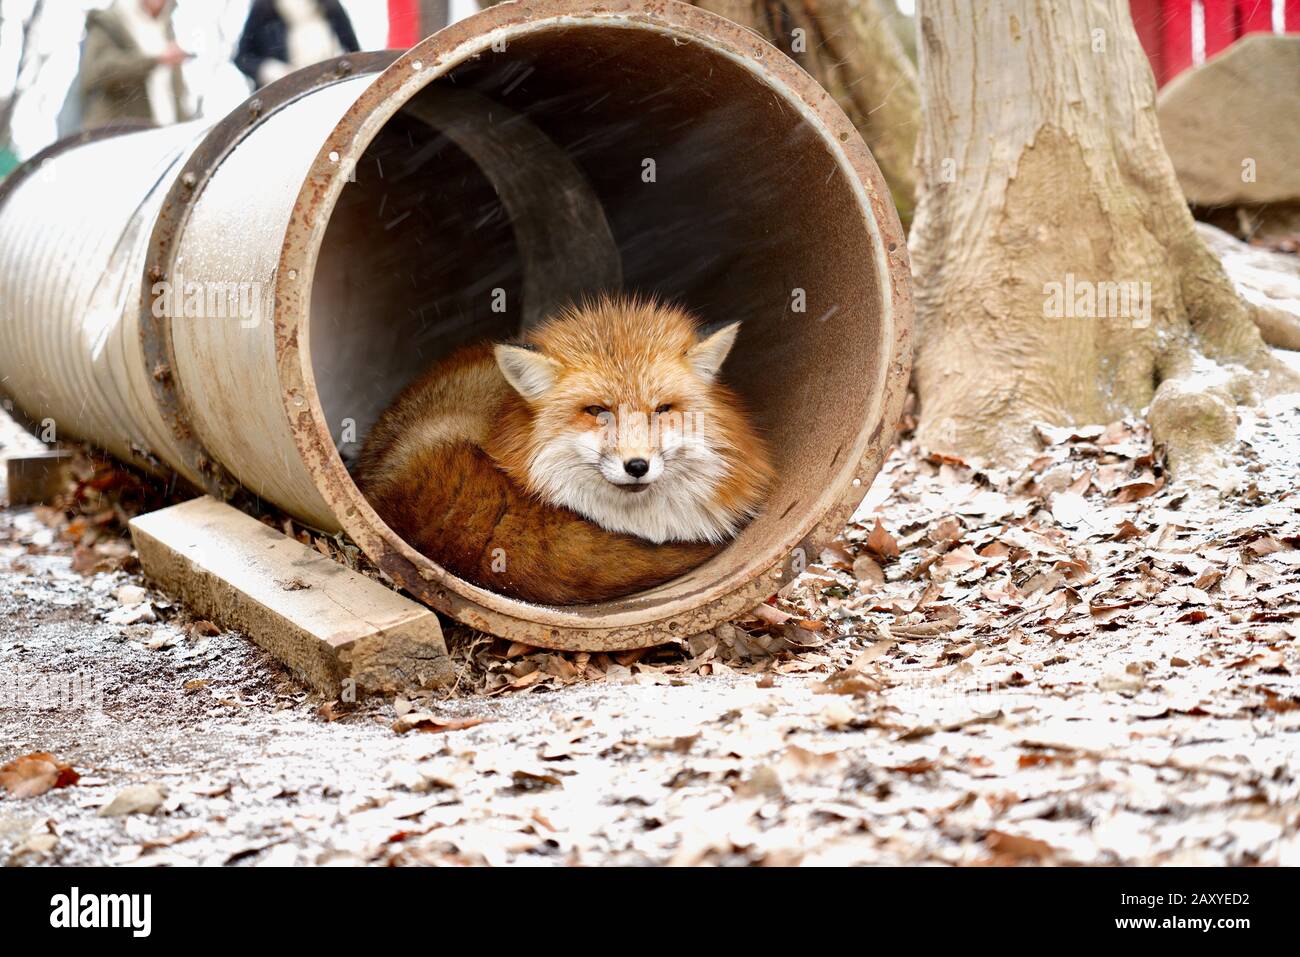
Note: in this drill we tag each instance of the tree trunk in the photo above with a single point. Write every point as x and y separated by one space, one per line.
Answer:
434 15
851 49
1059 276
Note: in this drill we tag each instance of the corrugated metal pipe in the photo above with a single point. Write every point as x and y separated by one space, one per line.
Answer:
235 304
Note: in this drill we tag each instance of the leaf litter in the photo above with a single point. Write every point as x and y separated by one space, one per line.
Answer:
1076 662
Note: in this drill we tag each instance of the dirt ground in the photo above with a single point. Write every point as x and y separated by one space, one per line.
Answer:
1069 664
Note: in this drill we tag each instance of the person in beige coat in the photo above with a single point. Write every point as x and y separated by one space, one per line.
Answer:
130 65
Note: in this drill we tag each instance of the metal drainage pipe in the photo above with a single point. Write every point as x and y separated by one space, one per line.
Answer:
238 304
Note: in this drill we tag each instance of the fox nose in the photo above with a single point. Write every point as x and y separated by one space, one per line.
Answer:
636 467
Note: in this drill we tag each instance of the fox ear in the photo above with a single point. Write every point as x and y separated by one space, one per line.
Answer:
707 356
530 373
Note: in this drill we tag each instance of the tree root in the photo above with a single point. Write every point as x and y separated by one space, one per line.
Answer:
1193 419
1279 327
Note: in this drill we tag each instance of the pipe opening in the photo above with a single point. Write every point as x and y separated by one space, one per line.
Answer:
415 249
695 177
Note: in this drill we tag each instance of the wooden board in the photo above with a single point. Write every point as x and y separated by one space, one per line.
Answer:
333 627
35 478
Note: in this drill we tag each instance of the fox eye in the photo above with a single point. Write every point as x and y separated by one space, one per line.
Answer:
666 407
595 411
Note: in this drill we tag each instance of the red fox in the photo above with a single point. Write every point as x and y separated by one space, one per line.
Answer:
599 458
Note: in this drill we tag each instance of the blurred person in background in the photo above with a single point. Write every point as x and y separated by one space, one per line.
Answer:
281 36
130 65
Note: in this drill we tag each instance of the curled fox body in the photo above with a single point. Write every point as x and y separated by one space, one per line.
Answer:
599 458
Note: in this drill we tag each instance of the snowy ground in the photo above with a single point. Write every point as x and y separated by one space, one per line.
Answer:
1069 664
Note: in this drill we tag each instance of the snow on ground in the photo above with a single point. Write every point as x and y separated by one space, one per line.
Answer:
1073 663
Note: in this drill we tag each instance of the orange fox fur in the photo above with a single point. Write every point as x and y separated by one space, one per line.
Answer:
536 471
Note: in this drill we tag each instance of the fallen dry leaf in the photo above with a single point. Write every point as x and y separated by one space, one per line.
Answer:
838 714
865 569
881 544
770 614
34 774
1142 488
1018 847
1275 702
431 723
1126 531
849 681
919 766
136 799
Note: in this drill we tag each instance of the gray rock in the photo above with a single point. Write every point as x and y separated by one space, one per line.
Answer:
1243 105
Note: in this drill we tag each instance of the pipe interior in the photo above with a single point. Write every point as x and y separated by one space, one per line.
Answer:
747 207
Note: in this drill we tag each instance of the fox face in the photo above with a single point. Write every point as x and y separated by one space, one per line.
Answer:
627 425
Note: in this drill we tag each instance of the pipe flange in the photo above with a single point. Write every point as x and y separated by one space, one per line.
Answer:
698 601
155 332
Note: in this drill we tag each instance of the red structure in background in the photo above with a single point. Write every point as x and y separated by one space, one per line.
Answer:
403 24
1168 33
1165 27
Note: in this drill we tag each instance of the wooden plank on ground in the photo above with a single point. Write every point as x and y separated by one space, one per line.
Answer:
36 478
333 627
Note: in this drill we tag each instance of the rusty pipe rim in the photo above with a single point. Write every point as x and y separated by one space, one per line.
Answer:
169 228
612 625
